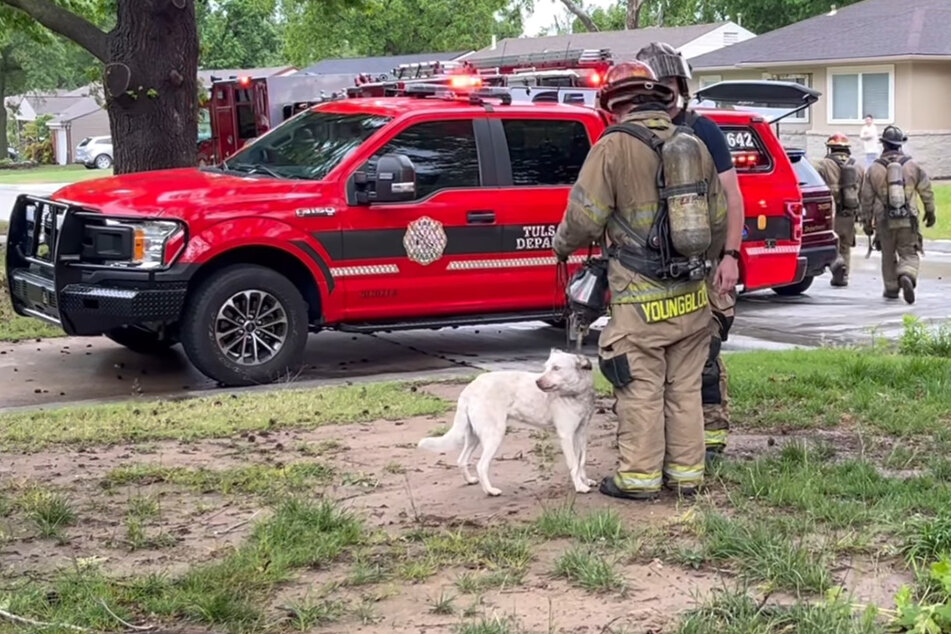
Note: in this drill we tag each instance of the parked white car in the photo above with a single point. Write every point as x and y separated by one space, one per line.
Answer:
95 152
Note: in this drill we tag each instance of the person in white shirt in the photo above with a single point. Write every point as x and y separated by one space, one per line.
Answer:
869 138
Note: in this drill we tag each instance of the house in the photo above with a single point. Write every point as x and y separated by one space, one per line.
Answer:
886 58
691 41
85 118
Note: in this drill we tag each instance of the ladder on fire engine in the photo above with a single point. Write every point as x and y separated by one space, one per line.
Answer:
567 60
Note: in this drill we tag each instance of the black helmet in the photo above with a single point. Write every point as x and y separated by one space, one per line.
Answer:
632 82
665 60
893 135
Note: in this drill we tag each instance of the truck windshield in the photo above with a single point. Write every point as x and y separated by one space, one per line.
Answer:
308 146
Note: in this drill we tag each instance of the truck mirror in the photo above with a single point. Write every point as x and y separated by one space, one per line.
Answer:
360 182
395 179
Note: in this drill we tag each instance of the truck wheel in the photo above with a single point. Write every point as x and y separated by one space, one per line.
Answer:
795 289
139 340
247 325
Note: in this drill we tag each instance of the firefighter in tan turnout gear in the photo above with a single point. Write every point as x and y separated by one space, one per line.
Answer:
844 177
892 183
674 72
651 189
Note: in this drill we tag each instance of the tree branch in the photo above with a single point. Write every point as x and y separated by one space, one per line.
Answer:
579 13
66 23
634 13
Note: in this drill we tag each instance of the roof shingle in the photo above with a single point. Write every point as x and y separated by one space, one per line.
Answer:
623 44
869 29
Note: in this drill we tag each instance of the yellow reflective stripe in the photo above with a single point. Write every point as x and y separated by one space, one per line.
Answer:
640 292
633 481
589 206
691 475
671 308
715 437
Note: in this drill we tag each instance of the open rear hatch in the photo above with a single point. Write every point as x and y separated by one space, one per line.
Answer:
763 97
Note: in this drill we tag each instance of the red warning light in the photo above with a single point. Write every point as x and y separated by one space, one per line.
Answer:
595 79
244 81
465 81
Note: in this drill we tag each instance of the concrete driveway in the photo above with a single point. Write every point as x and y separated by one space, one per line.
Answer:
60 370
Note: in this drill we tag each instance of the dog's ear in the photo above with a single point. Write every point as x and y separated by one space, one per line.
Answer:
584 362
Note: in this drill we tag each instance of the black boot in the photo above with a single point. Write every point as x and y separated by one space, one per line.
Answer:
907 288
890 294
838 275
610 488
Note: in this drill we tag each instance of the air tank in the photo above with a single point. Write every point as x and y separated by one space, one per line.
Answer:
896 185
688 211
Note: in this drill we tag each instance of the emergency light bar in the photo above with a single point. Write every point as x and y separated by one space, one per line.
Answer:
561 59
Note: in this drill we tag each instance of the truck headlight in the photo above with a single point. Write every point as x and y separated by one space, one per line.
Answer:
150 239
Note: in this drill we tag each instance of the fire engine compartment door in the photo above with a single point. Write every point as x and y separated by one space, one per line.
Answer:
787 96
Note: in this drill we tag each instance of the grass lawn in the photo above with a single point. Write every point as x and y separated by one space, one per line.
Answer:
860 472
51 174
942 228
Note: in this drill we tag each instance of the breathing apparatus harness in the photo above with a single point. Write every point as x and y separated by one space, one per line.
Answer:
655 258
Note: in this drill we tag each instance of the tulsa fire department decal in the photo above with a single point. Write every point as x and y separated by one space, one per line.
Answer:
424 241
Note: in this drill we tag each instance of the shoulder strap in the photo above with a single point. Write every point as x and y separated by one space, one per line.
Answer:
904 159
882 161
640 133
851 161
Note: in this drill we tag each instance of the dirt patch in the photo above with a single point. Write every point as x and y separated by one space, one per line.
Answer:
377 472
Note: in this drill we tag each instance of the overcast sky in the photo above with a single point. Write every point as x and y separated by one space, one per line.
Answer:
546 10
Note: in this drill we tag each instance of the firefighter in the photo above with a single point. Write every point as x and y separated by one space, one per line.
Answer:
888 194
674 71
659 246
844 177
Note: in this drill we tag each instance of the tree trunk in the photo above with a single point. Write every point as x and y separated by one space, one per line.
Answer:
634 13
581 15
151 83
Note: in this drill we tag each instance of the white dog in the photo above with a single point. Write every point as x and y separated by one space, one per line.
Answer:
562 396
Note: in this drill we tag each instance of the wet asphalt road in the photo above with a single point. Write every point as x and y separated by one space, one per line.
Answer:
66 370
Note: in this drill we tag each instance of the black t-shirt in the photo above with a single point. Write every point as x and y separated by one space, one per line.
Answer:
712 136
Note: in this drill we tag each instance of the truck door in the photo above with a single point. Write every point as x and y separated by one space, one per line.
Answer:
540 159
411 259
225 130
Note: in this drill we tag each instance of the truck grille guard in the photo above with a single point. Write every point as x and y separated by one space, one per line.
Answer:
35 228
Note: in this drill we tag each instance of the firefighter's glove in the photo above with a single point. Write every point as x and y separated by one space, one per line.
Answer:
561 258
867 228
929 219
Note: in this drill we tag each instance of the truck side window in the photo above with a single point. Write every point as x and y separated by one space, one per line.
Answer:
443 152
546 152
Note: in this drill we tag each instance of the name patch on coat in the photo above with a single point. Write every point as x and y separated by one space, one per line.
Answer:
664 309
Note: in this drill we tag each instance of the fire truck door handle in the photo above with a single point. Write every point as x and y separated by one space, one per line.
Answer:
481 217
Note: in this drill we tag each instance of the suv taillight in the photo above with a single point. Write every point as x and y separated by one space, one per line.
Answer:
794 213
747 160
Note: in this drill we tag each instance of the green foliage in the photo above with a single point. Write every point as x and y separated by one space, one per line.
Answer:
37 143
239 34
931 615
918 339
320 30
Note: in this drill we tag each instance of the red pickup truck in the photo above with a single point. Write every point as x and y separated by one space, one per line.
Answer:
296 233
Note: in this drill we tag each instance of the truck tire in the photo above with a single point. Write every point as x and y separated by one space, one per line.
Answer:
139 340
246 325
795 289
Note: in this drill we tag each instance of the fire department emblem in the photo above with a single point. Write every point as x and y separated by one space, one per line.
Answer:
424 240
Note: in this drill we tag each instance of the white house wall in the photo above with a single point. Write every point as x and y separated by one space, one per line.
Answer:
716 39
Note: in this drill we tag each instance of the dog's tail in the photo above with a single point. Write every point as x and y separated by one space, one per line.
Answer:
455 437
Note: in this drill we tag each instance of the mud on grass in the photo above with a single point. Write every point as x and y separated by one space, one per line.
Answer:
214 529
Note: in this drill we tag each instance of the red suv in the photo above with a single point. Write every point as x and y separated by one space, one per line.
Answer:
358 215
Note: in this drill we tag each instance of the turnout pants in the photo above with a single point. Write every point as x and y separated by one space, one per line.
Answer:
655 369
845 229
716 413
900 246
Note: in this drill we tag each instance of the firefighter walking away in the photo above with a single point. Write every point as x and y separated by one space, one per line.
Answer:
844 177
892 184
650 188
